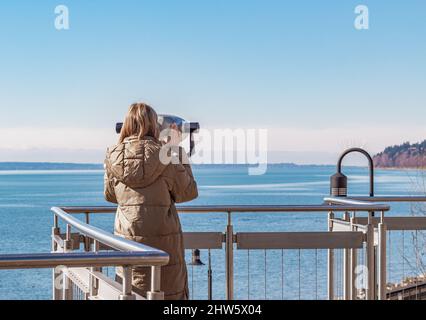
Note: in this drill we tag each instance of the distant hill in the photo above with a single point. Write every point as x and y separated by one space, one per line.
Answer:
405 155
11 166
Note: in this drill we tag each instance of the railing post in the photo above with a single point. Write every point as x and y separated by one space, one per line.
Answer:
55 232
56 292
155 293
127 284
330 261
94 282
381 257
353 263
371 283
67 292
229 259
68 245
87 239
56 272
346 268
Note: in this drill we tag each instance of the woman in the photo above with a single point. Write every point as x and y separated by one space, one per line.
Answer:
146 188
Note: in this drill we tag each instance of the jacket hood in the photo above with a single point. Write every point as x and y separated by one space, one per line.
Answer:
134 162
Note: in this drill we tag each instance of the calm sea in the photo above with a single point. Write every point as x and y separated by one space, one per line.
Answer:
26 198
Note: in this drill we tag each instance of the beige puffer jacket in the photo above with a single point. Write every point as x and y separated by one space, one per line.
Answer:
146 191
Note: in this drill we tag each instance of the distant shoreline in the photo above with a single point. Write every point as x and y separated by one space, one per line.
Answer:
48 166
63 166
401 168
52 166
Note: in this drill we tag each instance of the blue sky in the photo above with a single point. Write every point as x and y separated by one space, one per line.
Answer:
298 68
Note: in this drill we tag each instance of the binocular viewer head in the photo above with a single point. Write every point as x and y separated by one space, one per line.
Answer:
165 121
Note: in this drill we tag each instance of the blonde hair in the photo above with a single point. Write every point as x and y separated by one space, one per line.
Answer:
141 121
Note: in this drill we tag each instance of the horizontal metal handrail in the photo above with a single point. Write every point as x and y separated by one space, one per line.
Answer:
390 198
82 259
129 252
246 208
346 201
107 238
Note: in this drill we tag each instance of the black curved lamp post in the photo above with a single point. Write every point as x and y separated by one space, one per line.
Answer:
339 182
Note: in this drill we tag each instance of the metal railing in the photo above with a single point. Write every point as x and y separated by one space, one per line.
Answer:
81 271
258 241
380 228
361 240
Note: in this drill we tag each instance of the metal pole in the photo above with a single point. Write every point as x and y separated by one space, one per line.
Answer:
57 275
371 285
346 268
229 259
127 284
94 282
56 272
68 245
330 261
67 293
382 259
86 238
353 263
155 293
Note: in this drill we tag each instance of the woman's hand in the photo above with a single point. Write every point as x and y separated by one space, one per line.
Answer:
175 136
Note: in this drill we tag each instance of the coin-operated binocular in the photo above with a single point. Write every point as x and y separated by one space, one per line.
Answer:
166 121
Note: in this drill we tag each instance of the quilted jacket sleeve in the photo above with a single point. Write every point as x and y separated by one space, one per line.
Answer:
109 182
182 184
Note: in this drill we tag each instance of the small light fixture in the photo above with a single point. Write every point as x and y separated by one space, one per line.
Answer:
339 185
196 260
